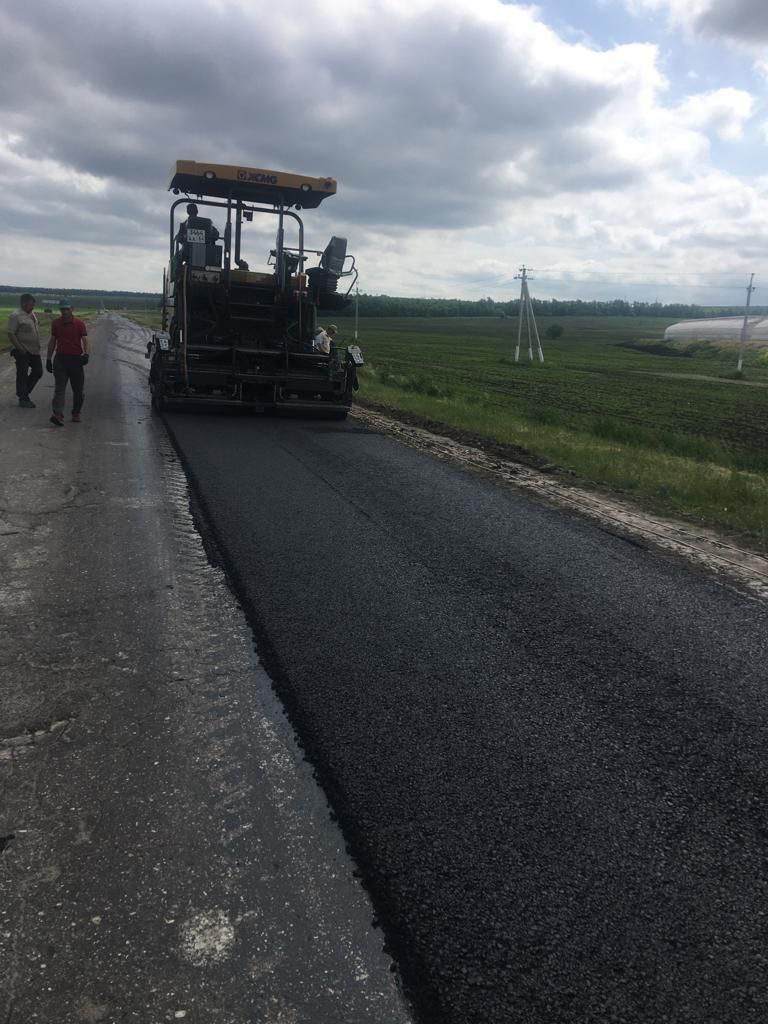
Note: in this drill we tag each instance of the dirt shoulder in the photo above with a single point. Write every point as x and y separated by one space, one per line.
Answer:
515 467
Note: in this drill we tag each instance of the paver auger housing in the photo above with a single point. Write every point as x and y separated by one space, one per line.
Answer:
234 336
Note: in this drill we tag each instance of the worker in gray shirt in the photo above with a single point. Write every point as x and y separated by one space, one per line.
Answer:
24 335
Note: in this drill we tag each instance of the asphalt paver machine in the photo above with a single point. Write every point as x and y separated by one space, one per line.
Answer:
235 336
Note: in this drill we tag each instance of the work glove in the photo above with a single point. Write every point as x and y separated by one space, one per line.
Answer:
49 365
84 359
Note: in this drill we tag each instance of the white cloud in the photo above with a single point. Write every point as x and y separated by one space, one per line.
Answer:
23 167
724 111
743 21
455 130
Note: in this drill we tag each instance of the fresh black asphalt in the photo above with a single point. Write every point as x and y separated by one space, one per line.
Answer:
546 745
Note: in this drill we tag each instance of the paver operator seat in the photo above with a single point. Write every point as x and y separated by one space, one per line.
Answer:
324 278
197 239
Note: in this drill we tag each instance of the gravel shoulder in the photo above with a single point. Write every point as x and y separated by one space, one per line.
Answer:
705 548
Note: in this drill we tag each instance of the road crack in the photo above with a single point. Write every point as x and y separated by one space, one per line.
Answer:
35 736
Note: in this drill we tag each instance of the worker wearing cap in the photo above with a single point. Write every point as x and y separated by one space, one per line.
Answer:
24 336
69 342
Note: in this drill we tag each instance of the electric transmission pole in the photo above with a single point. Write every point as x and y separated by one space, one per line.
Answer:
743 340
526 310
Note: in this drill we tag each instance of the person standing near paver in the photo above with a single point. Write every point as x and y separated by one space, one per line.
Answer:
69 340
24 335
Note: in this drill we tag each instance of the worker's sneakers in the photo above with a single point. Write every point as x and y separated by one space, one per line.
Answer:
57 419
75 417
27 403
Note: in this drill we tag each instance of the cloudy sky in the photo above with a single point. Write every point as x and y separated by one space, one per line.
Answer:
616 146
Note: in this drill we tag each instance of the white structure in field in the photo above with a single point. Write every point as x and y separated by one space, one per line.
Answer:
526 313
723 328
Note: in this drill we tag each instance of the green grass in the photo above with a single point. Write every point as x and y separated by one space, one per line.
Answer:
612 405
44 319
607 405
145 317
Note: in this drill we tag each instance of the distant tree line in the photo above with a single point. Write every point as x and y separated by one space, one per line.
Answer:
389 305
84 297
392 305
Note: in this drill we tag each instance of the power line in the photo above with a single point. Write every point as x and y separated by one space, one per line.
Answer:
526 312
743 336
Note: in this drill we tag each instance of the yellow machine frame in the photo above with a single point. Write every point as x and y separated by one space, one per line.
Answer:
250 184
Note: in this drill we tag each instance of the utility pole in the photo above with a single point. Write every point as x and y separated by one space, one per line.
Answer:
526 310
743 340
357 294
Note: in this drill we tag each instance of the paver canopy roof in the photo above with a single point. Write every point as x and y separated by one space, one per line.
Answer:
250 184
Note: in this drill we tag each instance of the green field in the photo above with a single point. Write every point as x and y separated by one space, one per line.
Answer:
147 317
676 431
627 418
45 318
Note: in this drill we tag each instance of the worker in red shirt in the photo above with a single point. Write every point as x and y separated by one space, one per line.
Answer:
69 340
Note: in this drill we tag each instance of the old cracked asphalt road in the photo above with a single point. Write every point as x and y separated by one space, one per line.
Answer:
165 854
546 745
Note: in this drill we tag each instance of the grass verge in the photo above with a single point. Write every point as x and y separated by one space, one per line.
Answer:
694 478
605 407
